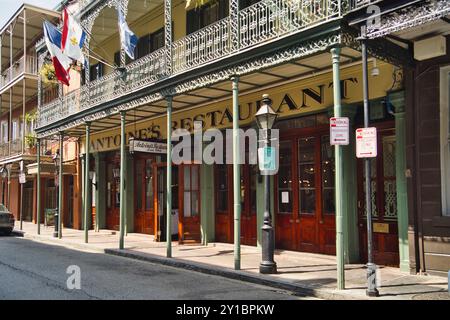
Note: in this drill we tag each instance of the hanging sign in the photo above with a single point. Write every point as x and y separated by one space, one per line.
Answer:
147 146
366 143
339 131
22 178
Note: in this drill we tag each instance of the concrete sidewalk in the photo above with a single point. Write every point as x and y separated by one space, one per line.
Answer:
303 273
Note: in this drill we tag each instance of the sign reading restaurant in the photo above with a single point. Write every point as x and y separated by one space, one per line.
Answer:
309 95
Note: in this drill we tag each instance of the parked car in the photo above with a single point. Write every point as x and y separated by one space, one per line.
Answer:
6 220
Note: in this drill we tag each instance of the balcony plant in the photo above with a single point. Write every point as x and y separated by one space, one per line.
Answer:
48 74
30 137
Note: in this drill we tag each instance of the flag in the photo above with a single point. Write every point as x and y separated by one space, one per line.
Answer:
73 38
128 39
61 62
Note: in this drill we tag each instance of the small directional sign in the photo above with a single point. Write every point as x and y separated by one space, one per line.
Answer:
339 131
267 161
366 143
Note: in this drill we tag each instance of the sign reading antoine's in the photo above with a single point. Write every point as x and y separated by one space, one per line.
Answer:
304 96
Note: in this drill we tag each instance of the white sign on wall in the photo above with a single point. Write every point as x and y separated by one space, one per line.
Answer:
339 131
366 143
147 146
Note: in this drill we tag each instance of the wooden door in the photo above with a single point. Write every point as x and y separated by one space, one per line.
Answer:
144 219
189 214
112 196
249 175
304 194
285 204
160 198
223 181
384 201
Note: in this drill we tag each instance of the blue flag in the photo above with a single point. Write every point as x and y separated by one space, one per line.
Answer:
128 39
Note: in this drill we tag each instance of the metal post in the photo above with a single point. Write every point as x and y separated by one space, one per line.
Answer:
87 184
60 184
23 114
21 206
372 291
234 24
38 191
236 176
169 179
9 76
335 52
168 35
122 178
267 264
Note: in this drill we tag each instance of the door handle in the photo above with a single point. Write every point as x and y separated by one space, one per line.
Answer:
297 220
291 220
321 221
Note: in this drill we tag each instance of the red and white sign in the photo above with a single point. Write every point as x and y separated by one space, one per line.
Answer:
339 131
366 143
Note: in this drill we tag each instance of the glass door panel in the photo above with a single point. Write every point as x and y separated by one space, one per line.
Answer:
307 175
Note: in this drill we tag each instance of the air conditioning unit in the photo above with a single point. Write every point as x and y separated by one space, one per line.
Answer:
430 48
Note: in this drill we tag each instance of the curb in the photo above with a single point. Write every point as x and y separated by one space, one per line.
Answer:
300 290
57 241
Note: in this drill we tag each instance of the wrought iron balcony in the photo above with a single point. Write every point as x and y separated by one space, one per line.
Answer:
263 22
17 69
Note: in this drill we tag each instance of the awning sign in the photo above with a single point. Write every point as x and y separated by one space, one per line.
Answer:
366 143
339 131
147 146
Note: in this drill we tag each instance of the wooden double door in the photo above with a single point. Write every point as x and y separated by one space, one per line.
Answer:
113 191
384 201
305 194
224 220
185 202
144 194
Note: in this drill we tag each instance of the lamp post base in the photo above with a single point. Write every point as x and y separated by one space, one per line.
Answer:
373 293
267 267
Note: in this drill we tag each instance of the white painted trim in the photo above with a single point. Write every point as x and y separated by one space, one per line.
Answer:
445 138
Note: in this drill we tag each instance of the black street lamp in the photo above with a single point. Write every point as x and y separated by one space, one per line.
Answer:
265 117
56 217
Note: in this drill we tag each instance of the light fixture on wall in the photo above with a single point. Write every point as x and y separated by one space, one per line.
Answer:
375 71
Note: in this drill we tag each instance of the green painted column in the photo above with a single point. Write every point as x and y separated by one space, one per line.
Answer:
129 195
350 191
122 179
38 187
236 176
100 191
60 184
397 99
207 213
87 183
339 179
169 180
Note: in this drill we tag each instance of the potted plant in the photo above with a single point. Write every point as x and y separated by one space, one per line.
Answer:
48 73
30 137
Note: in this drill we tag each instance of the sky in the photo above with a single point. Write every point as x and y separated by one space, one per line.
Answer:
9 7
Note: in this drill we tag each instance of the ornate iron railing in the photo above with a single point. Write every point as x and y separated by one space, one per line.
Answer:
23 65
202 46
259 23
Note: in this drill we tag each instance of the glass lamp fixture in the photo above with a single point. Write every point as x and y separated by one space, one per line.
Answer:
265 117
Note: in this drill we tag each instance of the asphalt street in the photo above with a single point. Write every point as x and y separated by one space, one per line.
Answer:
35 270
